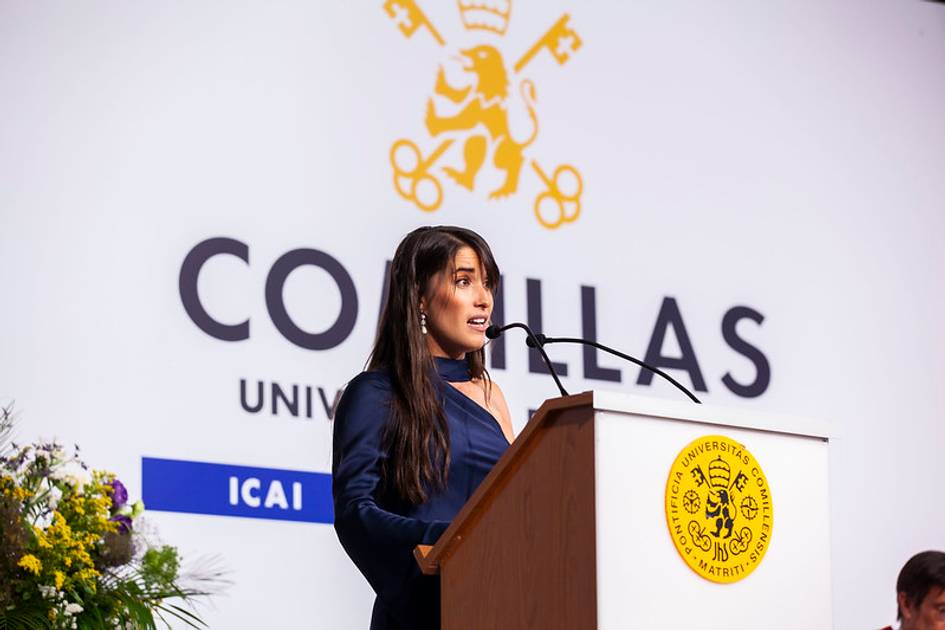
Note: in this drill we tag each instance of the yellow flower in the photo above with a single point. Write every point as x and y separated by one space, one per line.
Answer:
41 538
82 557
59 522
60 578
88 576
19 494
43 543
30 563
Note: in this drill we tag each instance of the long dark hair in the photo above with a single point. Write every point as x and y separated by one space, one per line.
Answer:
416 438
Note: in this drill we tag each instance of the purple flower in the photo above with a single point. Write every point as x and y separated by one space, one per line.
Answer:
124 522
119 495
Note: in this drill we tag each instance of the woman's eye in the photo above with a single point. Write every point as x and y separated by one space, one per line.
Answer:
463 282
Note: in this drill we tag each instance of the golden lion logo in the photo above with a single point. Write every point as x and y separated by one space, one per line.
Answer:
472 109
719 509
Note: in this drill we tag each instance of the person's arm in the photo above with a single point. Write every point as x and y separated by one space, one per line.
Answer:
378 541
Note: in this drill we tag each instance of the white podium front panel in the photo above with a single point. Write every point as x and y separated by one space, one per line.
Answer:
643 582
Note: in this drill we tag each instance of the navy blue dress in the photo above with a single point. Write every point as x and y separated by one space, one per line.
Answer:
378 532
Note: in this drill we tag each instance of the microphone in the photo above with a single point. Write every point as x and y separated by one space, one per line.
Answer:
538 340
493 332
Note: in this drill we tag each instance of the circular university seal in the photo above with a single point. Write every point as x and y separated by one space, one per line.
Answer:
719 509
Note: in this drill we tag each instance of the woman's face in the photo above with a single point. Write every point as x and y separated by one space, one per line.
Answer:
458 307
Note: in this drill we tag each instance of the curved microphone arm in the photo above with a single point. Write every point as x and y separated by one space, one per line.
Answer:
540 340
494 331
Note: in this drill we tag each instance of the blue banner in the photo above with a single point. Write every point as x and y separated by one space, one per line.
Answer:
173 485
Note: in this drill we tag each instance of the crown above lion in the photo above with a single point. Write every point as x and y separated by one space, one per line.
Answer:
485 15
719 473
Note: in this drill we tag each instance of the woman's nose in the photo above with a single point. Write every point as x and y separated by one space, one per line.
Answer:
484 298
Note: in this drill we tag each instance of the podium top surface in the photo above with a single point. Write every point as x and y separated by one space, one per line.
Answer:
709 414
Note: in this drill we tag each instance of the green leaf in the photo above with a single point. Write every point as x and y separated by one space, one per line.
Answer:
186 616
16 619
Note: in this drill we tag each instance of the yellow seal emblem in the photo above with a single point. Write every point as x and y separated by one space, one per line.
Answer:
719 509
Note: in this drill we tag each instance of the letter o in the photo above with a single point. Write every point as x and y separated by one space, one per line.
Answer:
275 282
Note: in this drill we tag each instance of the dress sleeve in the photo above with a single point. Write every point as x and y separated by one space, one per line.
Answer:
379 542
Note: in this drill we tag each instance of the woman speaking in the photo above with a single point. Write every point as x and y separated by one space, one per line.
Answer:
417 432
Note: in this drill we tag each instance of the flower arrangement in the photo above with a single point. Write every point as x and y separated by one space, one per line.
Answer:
70 553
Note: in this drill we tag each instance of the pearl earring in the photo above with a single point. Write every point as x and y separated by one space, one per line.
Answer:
423 323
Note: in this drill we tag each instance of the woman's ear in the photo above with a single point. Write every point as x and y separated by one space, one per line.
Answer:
904 606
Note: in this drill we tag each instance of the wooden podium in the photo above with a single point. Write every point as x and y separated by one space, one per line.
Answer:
569 530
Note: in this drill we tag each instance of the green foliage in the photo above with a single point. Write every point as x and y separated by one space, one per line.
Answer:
159 567
18 619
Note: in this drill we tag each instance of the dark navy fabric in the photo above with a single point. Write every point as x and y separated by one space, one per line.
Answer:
379 532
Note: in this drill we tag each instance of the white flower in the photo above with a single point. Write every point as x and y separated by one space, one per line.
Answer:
43 521
48 592
73 609
55 494
73 474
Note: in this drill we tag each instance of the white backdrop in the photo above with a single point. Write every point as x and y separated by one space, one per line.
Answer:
784 156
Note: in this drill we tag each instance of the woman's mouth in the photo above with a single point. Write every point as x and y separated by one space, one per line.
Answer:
479 324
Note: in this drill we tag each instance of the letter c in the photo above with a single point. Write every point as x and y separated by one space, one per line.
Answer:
190 269
246 492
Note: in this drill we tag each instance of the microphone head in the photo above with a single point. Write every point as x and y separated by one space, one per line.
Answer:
493 331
